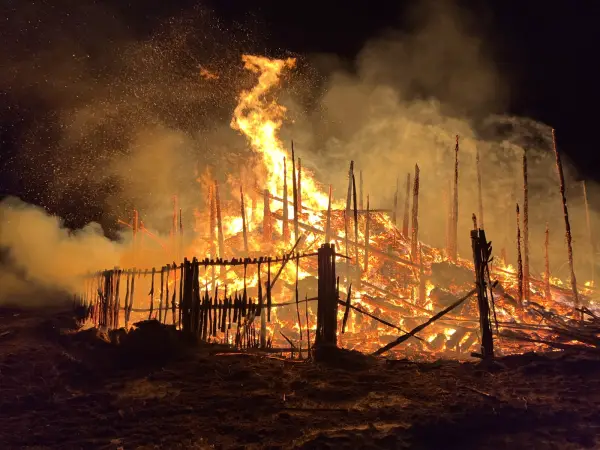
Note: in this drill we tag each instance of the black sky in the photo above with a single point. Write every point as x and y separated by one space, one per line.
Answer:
546 51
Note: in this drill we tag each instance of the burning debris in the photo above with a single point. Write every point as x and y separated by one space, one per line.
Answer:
393 282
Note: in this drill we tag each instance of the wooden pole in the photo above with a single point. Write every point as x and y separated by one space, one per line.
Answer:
367 237
355 224
406 207
449 219
267 230
286 230
295 195
547 291
328 220
299 186
454 236
212 223
481 256
219 222
244 225
395 208
327 304
588 223
561 179
526 284
361 204
519 259
479 190
347 218
415 216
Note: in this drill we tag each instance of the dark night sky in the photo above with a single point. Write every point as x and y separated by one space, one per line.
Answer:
546 50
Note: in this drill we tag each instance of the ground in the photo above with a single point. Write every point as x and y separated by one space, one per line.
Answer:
61 389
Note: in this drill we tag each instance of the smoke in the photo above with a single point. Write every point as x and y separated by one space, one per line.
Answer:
116 121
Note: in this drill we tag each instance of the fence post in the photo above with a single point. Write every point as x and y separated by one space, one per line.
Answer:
327 305
481 256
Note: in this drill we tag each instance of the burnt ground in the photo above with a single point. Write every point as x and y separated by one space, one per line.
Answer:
60 389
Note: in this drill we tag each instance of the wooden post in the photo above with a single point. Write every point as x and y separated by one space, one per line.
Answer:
327 304
561 179
454 235
481 255
361 204
406 207
355 225
295 195
286 230
547 291
395 208
299 186
219 222
519 259
588 223
415 215
479 191
526 287
328 220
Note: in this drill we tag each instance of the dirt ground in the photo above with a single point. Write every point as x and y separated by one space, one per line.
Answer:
61 389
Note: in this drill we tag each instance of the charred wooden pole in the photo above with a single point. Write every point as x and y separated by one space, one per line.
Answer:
361 197
286 229
561 179
174 229
588 223
180 235
415 216
347 218
244 225
213 227
327 304
267 225
547 291
479 190
295 195
422 285
406 207
367 237
526 284
299 209
454 235
519 259
219 221
481 256
328 220
355 225
395 208
448 198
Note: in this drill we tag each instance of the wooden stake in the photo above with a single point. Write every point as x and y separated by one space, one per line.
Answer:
519 259
299 186
588 223
328 220
361 204
547 291
219 222
286 230
295 195
406 207
212 223
244 226
479 192
415 215
454 235
561 179
526 284
355 223
367 237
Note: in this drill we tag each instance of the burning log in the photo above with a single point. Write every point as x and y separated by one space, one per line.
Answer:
588 223
415 214
295 194
547 291
244 226
406 207
479 193
367 237
519 259
286 231
526 284
561 179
